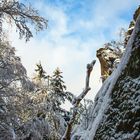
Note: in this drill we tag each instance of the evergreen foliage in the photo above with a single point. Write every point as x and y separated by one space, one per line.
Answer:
57 89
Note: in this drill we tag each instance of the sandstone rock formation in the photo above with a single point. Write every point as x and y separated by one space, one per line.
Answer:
109 58
132 25
115 114
121 119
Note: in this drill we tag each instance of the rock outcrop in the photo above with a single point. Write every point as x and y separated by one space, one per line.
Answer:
109 58
115 114
132 25
121 119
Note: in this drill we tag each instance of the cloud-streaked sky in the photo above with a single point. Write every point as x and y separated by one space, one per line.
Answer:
76 29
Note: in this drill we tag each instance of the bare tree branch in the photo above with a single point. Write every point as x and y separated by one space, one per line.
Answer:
77 101
22 16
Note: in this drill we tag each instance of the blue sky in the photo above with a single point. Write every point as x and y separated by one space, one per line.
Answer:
76 29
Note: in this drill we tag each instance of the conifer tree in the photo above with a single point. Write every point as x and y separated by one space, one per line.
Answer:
41 74
57 89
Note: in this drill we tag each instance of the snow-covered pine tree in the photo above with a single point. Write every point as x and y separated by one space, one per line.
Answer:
14 84
40 76
57 89
49 95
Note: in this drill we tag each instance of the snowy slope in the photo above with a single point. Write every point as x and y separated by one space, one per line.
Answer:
115 114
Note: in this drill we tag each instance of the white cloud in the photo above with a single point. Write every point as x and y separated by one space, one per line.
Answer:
59 22
105 15
70 53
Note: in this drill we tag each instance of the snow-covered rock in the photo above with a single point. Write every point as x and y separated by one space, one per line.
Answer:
115 114
109 58
132 25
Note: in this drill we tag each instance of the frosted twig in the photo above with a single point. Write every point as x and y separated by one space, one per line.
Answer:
77 101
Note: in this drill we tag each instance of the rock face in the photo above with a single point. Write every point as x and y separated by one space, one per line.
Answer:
115 114
132 25
108 58
121 120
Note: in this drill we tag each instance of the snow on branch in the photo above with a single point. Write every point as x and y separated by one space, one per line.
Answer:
77 101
